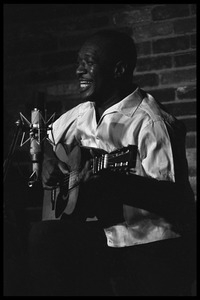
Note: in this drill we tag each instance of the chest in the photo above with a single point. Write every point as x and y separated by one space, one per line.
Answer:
112 131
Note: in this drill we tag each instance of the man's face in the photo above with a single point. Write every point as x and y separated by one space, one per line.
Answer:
94 71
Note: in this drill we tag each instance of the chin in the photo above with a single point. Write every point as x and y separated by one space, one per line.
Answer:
87 96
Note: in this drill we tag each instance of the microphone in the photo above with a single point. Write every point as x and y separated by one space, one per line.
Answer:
37 126
37 134
37 129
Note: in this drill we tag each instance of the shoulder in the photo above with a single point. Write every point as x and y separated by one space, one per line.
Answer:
155 116
152 109
74 112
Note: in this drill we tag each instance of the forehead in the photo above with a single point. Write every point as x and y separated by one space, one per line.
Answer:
96 47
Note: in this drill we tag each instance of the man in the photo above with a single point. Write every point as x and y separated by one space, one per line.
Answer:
137 246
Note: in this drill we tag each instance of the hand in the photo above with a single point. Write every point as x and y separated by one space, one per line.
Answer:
87 172
52 172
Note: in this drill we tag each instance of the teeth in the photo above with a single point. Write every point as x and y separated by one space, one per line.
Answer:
84 85
84 82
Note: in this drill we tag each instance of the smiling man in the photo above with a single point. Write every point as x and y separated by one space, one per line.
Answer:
105 69
140 241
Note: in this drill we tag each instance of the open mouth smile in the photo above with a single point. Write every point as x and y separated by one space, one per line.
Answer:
84 84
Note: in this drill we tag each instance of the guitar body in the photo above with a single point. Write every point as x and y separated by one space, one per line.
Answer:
64 198
57 201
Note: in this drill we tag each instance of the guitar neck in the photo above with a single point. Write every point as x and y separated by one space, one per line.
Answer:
122 159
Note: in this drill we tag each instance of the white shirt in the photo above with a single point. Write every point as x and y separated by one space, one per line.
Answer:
135 120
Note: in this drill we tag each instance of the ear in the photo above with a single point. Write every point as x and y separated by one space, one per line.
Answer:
120 69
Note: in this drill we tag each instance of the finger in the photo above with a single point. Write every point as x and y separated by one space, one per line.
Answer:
48 187
92 153
63 167
88 175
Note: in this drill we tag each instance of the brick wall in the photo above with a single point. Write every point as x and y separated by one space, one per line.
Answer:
41 43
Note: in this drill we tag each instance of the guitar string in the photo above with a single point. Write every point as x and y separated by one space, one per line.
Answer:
99 163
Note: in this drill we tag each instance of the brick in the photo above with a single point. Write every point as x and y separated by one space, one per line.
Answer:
192 171
193 41
67 74
178 76
147 31
127 30
53 27
182 108
143 48
33 77
71 102
58 76
74 41
92 22
192 160
25 13
169 11
54 106
154 63
29 46
60 103
163 95
191 141
11 31
193 183
186 92
190 123
185 59
21 63
171 44
131 17
193 9
95 8
185 26
13 79
63 89
40 76
57 59
20 96
146 80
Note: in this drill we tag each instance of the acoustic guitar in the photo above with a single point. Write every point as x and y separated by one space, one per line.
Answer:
63 198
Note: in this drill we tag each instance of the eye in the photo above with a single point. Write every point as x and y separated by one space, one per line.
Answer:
90 63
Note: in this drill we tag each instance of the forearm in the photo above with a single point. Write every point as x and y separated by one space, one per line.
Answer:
164 198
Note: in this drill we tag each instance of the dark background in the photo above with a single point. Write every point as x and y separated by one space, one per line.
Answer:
40 48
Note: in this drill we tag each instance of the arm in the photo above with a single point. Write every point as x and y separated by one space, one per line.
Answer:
51 170
159 188
154 187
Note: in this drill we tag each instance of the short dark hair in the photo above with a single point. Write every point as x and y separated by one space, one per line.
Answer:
123 43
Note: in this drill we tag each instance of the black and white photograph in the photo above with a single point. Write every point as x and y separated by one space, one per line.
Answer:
99 149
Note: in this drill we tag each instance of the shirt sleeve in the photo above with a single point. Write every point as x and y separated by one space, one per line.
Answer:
62 125
155 152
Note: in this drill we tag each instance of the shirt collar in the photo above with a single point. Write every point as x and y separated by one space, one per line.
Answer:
128 105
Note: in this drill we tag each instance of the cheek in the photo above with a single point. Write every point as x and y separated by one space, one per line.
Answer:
89 91
97 78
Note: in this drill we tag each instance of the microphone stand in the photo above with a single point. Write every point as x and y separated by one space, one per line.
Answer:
7 161
23 124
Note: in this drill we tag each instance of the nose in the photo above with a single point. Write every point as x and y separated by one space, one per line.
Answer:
81 69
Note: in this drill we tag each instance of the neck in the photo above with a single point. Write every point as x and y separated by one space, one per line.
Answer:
116 97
